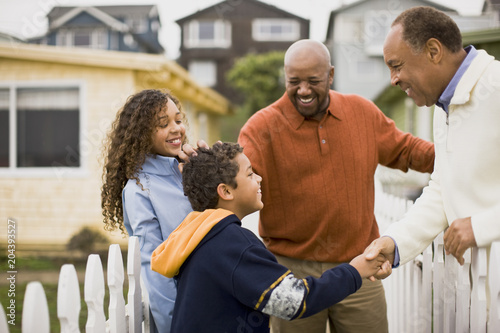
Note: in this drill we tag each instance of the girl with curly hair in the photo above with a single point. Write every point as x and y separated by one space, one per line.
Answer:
142 193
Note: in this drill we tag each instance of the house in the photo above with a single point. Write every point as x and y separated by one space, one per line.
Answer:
356 34
213 38
117 28
492 6
56 107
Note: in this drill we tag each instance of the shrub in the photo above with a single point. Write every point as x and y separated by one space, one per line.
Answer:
86 240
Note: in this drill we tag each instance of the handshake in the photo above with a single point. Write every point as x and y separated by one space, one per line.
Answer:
375 263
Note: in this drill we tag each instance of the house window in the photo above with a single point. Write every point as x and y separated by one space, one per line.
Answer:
349 29
377 26
89 38
204 72
203 128
275 30
138 23
82 38
4 127
207 33
40 127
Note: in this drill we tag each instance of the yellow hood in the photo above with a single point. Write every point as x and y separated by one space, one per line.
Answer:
168 258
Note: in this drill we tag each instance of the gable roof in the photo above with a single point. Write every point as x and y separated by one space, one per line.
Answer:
491 5
341 9
424 3
108 15
115 11
96 13
223 8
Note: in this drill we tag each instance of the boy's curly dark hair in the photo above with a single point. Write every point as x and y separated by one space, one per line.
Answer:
205 171
126 147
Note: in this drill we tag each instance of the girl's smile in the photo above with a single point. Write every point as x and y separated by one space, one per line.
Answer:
170 131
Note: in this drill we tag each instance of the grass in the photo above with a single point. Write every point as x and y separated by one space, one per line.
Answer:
43 264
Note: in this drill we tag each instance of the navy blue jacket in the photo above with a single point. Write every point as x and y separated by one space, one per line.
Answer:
230 282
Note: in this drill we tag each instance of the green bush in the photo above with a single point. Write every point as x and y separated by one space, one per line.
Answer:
86 240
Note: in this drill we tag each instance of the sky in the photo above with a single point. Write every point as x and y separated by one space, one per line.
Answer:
26 18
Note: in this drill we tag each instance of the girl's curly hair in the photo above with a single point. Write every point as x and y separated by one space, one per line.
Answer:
126 147
206 170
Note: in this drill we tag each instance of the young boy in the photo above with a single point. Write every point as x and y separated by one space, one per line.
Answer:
227 281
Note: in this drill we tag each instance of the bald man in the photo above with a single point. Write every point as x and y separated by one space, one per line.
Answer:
317 151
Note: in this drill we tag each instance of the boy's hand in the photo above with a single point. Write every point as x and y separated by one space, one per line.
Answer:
379 266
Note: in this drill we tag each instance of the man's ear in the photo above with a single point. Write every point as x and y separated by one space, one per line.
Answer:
224 192
434 50
331 75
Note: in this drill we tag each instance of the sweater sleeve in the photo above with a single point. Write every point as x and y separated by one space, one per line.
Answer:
262 283
421 224
400 150
254 138
486 226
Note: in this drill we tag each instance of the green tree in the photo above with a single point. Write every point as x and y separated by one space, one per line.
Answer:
259 78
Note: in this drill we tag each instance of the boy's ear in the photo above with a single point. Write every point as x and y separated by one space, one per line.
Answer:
224 192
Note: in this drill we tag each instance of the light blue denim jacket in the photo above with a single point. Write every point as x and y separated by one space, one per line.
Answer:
151 215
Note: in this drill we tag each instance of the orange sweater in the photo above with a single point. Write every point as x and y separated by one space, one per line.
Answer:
318 177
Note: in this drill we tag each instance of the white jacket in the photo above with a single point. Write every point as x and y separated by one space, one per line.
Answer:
466 177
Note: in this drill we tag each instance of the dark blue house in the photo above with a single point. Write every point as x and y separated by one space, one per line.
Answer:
118 28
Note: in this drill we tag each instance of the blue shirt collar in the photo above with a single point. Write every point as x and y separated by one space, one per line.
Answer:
445 98
160 165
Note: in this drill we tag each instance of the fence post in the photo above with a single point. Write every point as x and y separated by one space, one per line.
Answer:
35 310
117 320
437 282
3 320
463 295
449 289
426 300
94 295
134 306
68 299
478 296
416 294
494 283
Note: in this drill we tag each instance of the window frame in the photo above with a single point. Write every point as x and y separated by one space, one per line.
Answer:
59 172
258 35
222 31
196 64
66 38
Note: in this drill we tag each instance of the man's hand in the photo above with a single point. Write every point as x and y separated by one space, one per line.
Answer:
381 246
187 151
458 238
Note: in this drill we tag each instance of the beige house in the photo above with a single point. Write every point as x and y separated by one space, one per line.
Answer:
56 107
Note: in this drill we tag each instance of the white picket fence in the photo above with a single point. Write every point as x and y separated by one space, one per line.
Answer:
433 293
132 317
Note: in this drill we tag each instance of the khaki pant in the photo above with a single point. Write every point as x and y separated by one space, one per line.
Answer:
364 311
